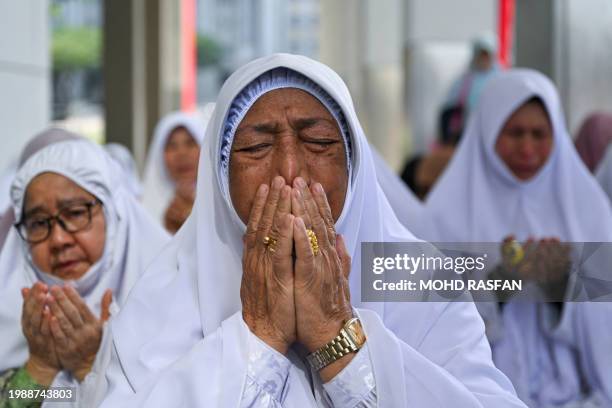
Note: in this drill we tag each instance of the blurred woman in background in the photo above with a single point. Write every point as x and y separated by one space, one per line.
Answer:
593 138
172 167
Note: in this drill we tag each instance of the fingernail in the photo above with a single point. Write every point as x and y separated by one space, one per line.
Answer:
319 188
300 182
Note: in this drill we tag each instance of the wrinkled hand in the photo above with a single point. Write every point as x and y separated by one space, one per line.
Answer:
43 363
322 297
77 333
550 266
266 291
546 262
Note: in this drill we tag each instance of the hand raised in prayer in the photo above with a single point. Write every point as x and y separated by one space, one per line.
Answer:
322 296
179 208
550 266
43 363
75 329
546 262
266 291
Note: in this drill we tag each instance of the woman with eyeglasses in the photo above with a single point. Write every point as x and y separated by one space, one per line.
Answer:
79 244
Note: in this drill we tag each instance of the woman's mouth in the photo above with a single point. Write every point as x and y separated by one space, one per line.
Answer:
61 268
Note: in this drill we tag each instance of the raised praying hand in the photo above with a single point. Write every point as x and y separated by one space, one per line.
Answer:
294 286
62 333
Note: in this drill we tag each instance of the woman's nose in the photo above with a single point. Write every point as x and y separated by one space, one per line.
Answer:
527 148
290 161
58 237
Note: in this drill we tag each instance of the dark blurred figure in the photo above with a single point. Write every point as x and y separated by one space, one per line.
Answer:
594 136
421 171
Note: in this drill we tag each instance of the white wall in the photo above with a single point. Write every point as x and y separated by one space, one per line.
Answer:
584 61
362 41
24 74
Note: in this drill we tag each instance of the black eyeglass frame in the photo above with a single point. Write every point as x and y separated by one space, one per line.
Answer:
52 219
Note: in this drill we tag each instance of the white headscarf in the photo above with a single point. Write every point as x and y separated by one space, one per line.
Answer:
192 289
407 207
130 171
158 187
478 198
40 140
132 239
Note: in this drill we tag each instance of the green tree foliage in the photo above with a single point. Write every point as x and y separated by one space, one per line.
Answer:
76 48
209 51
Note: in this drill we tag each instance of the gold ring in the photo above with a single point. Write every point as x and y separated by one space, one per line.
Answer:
270 243
312 238
513 251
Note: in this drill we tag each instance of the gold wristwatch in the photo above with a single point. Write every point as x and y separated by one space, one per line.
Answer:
350 339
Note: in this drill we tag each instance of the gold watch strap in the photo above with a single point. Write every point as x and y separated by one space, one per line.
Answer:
340 346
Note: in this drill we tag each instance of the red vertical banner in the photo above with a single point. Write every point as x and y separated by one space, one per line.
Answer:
506 31
188 55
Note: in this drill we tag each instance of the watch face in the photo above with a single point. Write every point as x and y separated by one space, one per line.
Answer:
356 332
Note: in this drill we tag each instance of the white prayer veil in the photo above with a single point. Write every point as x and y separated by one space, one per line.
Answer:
158 187
39 141
188 295
132 239
127 163
407 206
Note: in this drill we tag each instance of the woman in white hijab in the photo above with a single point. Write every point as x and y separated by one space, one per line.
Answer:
202 328
172 165
516 174
80 243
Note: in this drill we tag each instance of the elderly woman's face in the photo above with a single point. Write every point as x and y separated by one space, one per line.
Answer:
181 155
287 133
526 140
64 254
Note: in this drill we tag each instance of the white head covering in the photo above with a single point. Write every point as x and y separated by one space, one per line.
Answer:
158 187
132 238
209 246
479 199
6 178
407 207
130 171
40 140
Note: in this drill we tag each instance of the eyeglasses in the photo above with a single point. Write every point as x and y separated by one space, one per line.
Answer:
73 218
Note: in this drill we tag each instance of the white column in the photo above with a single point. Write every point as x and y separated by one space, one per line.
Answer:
24 74
362 41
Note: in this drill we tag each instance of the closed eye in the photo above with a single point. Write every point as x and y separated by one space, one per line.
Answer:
254 148
36 223
322 141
